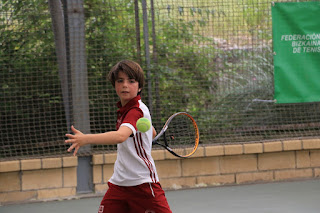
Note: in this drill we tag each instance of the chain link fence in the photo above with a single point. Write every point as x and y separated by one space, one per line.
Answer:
211 58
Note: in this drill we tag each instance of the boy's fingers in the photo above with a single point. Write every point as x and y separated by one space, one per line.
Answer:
69 136
76 150
74 130
72 147
70 141
73 139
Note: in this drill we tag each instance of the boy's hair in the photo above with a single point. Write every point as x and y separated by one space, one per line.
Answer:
131 68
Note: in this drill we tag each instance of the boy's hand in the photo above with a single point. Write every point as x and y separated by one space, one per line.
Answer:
77 140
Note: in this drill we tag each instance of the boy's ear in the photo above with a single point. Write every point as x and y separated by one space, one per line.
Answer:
139 91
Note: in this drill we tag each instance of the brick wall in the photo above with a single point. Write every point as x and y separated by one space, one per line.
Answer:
39 179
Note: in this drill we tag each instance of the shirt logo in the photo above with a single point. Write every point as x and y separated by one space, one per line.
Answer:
101 209
119 122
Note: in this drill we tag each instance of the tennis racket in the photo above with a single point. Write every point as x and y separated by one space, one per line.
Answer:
180 135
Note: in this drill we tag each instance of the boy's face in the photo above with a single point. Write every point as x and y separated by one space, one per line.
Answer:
126 88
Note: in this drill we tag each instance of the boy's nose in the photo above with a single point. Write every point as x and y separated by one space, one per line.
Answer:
125 84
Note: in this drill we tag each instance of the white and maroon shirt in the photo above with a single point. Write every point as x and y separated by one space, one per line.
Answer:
134 164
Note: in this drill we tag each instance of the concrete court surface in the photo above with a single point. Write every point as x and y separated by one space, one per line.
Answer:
279 197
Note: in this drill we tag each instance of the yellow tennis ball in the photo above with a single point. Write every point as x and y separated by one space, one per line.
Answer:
143 124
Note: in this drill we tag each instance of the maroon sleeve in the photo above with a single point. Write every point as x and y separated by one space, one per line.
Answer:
132 116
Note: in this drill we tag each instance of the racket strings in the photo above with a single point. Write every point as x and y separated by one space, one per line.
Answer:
182 133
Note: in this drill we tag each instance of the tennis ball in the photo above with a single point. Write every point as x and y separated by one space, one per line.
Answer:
143 124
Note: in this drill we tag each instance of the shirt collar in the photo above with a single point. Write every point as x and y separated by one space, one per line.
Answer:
130 104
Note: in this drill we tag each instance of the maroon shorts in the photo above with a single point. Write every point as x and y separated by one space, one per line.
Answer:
144 198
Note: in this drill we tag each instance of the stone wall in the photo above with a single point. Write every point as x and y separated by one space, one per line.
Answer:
229 164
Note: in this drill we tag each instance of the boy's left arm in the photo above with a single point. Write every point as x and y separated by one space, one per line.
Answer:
154 132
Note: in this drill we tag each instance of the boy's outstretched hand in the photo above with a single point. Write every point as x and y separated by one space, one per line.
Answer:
77 140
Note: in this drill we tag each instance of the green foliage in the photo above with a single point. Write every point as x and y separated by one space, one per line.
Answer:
256 15
30 97
110 37
243 96
193 73
184 69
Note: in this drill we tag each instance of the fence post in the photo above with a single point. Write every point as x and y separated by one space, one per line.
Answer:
147 51
138 43
58 26
156 110
80 96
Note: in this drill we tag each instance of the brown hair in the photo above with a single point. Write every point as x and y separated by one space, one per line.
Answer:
130 68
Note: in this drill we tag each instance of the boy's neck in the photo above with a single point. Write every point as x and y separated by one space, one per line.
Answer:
124 103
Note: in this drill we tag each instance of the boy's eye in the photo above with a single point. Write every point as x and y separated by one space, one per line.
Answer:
131 81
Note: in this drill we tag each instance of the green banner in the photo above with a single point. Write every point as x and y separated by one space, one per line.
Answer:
296 43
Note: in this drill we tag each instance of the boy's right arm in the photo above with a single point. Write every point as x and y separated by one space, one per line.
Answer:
79 139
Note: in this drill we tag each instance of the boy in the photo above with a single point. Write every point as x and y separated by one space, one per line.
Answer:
134 186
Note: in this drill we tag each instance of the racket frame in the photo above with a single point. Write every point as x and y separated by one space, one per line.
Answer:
163 133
